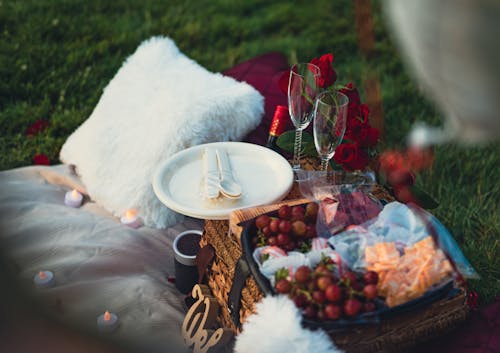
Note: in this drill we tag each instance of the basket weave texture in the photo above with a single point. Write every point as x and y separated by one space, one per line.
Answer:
393 334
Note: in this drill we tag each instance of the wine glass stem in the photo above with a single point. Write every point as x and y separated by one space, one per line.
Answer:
324 164
296 149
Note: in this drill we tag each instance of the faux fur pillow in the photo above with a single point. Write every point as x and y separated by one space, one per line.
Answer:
159 103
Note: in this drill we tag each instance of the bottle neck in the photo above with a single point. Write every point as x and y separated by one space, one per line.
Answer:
279 122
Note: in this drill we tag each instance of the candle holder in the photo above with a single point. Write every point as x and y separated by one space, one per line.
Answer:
107 322
73 198
131 219
44 279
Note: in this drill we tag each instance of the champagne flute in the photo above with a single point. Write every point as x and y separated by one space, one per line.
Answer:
330 116
302 90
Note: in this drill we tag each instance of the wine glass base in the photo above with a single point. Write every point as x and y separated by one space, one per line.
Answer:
295 170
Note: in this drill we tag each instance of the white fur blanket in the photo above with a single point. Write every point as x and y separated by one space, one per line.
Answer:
275 328
159 103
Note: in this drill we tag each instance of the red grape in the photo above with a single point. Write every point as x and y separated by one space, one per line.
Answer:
283 286
274 225
323 282
283 239
272 240
370 291
285 226
320 315
262 221
299 228
333 293
333 312
310 312
297 213
322 270
300 300
349 277
352 307
266 231
285 212
318 296
303 274
370 277
311 286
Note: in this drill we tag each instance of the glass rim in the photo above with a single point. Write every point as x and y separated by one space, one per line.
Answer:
325 93
315 74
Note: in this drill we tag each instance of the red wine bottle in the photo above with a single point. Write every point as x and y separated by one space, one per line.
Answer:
278 125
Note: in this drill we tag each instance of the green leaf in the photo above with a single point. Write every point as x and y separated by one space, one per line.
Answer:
287 139
335 166
282 273
423 199
308 148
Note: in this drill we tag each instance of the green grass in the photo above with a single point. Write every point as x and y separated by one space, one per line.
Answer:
57 56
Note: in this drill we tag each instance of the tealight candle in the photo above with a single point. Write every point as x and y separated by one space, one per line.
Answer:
131 219
73 198
44 279
107 322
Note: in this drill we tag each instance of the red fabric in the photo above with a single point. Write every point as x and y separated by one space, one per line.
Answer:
263 73
481 332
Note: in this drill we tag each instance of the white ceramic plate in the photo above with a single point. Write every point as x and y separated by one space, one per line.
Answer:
264 175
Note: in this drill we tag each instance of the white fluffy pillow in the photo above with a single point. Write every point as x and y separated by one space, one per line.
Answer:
159 103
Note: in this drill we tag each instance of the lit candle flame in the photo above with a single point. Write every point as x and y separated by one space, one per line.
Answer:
74 193
107 316
42 275
130 214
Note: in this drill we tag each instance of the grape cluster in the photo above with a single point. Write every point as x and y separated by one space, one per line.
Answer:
322 296
318 292
293 229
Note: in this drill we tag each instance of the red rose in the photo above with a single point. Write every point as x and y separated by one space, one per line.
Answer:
41 159
364 111
37 127
352 93
360 162
363 134
353 129
344 153
351 157
391 160
371 137
420 158
328 74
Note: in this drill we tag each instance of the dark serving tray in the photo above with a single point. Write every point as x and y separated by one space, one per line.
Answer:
447 290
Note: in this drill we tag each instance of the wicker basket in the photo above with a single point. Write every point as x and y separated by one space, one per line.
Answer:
394 334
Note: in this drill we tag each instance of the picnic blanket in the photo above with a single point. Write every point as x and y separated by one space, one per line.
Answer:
99 264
